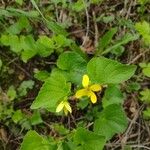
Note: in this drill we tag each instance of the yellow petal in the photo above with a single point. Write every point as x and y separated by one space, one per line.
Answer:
80 93
85 81
60 107
68 107
65 111
95 87
93 97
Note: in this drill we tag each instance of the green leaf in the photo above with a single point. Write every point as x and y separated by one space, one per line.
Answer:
108 19
143 65
18 12
146 113
133 86
118 51
33 141
70 61
112 95
36 118
20 2
11 93
24 86
74 64
143 2
56 28
112 120
60 42
128 37
17 27
17 116
144 29
79 6
53 90
146 71
145 68
106 71
107 38
27 54
145 95
87 140
29 47
45 46
9 40
41 75
60 129
83 103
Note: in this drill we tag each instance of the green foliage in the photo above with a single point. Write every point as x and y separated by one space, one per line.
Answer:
54 90
146 113
41 75
145 69
145 95
106 71
27 47
124 40
33 141
6 110
60 129
83 103
105 45
133 86
107 38
45 46
112 95
11 93
9 40
36 118
144 30
88 140
143 2
20 2
9 12
56 28
17 116
24 87
17 27
112 120
108 19
41 33
79 6
73 64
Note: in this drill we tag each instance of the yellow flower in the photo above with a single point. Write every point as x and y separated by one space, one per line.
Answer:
88 90
65 106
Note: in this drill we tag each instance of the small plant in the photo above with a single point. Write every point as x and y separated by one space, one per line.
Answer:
56 95
145 69
145 98
65 69
144 30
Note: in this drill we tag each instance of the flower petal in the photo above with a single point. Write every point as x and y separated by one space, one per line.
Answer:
80 93
92 97
68 107
60 107
95 87
65 111
85 81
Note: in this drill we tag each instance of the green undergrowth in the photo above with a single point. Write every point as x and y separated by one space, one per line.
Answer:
54 93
